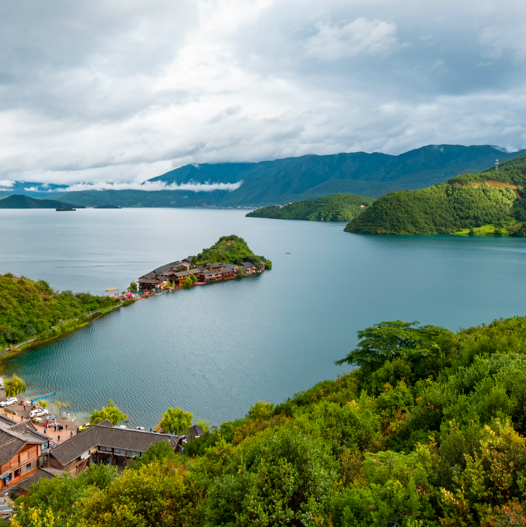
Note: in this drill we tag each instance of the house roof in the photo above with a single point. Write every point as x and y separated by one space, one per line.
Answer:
149 281
166 267
14 436
45 472
105 434
214 265
189 259
147 276
195 431
249 264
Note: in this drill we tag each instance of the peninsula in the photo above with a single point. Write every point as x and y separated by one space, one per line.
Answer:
489 203
31 312
338 207
229 258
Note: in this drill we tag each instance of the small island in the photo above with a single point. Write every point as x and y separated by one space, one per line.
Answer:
107 207
229 258
338 207
64 208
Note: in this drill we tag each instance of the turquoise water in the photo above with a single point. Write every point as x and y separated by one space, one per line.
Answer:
214 350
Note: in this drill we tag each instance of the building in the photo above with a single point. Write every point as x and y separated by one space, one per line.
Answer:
212 276
194 432
104 443
249 268
21 448
24 486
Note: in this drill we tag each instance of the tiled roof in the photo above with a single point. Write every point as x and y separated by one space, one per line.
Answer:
195 431
104 434
15 436
249 264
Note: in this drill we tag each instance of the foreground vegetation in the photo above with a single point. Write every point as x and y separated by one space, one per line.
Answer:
489 203
338 207
230 249
426 431
29 308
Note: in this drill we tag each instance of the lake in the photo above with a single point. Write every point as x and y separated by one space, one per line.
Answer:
216 349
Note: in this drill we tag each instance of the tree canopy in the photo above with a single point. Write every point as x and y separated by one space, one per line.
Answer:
176 421
110 412
14 386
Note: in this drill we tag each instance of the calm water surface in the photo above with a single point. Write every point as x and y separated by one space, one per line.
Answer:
215 350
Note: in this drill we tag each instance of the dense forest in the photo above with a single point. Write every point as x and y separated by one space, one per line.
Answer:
428 430
490 202
230 249
338 207
29 308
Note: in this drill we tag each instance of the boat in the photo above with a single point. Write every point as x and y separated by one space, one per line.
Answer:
158 294
287 253
116 289
140 428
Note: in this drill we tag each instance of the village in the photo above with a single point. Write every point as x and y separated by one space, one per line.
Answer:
185 273
31 450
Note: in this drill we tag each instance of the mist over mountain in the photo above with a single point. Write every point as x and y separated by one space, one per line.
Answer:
299 178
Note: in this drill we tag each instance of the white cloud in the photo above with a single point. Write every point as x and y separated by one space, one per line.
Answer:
6 183
338 40
153 185
125 91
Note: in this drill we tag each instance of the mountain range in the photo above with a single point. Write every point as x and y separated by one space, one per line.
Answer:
306 177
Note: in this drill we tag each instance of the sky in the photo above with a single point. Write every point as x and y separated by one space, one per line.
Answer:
124 91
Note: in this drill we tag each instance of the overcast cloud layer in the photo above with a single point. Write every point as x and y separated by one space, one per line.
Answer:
124 91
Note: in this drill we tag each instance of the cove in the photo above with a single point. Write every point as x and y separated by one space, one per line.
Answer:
216 349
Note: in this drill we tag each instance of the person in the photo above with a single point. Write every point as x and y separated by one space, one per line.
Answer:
24 406
45 430
66 427
58 439
71 433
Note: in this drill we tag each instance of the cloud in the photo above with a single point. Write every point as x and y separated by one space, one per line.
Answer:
6 183
153 185
338 40
125 91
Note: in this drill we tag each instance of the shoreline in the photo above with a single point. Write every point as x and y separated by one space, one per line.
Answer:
70 327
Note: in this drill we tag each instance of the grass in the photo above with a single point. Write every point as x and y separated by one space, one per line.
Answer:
489 230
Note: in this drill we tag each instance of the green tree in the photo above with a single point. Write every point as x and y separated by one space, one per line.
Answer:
176 421
187 283
193 278
55 502
14 386
161 451
471 231
43 404
155 495
133 286
110 412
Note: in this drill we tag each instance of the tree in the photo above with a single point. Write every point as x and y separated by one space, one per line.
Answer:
110 412
187 284
133 286
193 278
156 495
161 451
176 421
471 231
14 386
58 405
43 404
240 272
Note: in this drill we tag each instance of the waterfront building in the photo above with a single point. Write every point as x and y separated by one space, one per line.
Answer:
103 443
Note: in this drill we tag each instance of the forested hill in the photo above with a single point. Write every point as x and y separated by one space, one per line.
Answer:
487 203
312 176
20 201
427 431
338 207
29 308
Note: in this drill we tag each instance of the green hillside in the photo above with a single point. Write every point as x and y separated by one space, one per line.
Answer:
230 249
29 308
487 203
338 207
428 430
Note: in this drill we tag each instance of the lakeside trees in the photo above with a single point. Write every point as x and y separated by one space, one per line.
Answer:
427 430
14 386
110 412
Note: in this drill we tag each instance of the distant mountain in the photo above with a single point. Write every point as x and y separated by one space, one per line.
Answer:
338 207
17 201
312 176
488 203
